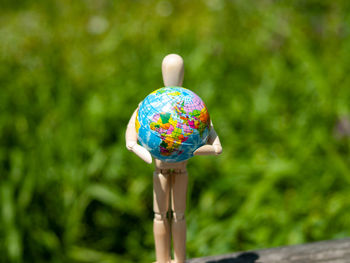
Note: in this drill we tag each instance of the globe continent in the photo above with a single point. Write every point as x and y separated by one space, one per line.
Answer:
171 123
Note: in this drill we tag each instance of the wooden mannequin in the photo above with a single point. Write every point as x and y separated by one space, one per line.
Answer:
170 179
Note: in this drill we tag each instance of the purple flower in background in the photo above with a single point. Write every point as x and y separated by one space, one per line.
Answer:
342 128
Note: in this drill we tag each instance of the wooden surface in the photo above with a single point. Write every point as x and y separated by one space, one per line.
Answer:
335 251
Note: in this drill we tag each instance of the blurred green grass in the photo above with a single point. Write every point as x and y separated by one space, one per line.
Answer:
274 75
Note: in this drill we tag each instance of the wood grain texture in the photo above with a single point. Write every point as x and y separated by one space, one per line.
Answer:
334 251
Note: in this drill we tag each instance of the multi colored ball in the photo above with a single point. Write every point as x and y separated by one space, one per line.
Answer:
172 122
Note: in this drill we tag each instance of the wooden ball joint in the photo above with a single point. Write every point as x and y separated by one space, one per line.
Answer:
170 179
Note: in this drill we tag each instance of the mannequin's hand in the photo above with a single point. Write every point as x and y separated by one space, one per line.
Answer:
208 150
213 147
131 141
140 151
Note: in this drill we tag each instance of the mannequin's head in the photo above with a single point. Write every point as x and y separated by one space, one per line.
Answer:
173 70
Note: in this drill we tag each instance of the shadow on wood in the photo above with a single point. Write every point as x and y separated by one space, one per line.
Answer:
330 251
249 257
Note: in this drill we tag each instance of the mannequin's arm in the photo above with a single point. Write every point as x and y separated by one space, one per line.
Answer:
213 146
131 141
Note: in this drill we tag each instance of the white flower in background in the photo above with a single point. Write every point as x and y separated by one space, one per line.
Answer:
164 8
215 5
97 25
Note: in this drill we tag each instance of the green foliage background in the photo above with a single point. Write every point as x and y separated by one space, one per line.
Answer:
274 75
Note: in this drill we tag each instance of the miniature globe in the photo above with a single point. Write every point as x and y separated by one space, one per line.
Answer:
171 123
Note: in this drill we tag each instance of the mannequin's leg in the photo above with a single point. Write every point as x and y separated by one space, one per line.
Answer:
178 207
161 228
